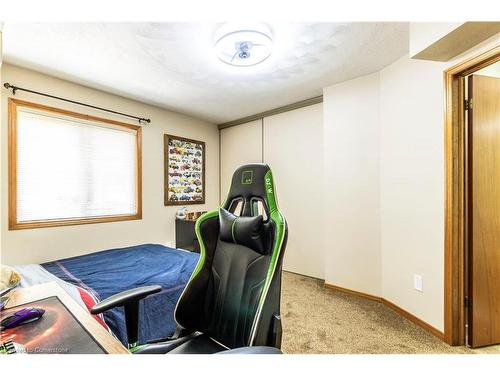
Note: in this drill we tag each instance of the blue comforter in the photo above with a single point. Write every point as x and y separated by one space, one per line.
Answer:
109 272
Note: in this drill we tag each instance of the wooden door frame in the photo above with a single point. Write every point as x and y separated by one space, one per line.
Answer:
455 220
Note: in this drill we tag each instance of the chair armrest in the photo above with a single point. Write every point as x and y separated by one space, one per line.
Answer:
123 298
129 299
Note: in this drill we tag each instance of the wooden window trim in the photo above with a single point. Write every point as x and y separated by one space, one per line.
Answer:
455 189
13 105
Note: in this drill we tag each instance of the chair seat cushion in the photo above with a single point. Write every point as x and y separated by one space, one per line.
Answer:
253 350
201 344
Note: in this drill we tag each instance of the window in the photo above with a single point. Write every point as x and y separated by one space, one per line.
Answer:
66 168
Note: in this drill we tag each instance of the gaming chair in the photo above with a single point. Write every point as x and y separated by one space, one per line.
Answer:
232 299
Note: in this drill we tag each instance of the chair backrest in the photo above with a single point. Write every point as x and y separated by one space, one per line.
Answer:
233 294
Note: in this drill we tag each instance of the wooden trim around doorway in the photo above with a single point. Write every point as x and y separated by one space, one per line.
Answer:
455 214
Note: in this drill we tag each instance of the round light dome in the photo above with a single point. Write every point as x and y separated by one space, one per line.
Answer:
244 47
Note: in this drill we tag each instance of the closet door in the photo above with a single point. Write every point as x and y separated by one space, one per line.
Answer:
293 149
241 144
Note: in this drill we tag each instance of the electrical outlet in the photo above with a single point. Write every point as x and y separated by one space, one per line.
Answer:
417 282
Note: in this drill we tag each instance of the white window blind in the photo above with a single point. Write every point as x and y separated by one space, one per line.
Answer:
69 168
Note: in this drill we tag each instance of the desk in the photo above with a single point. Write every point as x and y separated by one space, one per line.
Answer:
22 296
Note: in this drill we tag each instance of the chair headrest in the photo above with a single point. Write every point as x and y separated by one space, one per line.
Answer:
246 231
252 182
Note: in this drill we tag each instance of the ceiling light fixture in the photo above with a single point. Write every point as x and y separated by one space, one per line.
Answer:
244 47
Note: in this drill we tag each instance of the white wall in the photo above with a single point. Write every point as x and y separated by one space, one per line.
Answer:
490 71
445 41
157 225
240 145
412 183
424 34
398 113
412 186
351 168
292 148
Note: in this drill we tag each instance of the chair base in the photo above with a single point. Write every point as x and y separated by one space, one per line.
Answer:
198 343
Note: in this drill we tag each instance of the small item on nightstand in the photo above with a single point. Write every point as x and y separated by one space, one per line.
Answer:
181 213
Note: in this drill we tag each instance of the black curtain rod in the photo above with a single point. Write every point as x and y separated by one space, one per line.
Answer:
15 88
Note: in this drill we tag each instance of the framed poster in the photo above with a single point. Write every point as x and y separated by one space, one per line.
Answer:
184 171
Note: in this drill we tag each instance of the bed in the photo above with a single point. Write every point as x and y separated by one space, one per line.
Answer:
93 277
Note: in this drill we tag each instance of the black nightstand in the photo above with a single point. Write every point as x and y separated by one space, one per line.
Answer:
185 237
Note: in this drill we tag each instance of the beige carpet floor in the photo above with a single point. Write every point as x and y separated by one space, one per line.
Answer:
320 320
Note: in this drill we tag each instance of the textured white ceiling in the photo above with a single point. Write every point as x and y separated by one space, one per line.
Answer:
173 65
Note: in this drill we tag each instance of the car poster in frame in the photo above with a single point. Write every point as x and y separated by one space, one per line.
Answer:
184 171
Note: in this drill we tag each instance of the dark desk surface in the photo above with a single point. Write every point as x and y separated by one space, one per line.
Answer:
64 328
56 332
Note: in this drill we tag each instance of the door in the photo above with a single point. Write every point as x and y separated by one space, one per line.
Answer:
293 150
239 145
484 210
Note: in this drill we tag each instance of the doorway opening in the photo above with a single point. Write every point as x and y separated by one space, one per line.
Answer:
468 178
